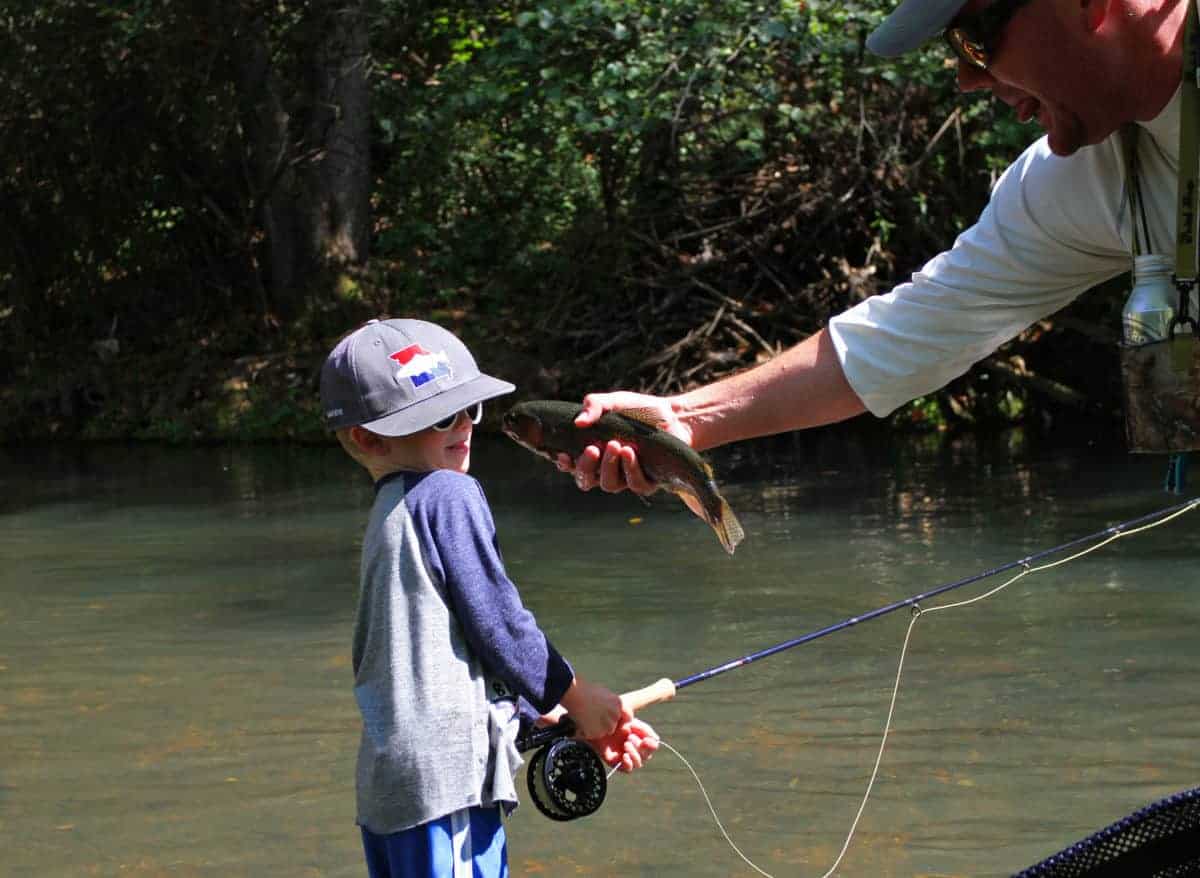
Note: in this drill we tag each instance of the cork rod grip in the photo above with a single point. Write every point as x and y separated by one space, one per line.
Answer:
655 693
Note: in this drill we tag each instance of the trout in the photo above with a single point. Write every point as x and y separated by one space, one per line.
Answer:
547 428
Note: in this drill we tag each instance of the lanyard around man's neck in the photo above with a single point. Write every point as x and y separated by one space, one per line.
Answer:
1189 161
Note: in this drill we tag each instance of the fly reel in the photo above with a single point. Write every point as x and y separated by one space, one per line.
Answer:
567 780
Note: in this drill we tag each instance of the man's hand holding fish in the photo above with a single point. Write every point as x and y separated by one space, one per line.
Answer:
642 446
800 388
615 467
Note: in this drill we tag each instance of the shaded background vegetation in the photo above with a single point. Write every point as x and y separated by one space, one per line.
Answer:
200 197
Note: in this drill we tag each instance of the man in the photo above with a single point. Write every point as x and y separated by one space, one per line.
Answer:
1058 223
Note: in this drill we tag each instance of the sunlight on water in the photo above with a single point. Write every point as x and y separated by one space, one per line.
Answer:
175 684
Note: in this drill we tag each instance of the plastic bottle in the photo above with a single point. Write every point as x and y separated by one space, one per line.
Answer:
1150 307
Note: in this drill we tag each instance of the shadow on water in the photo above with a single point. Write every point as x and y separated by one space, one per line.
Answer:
175 684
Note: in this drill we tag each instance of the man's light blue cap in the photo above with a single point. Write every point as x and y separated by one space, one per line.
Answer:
911 24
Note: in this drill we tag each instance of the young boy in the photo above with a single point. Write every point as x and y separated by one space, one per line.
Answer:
442 643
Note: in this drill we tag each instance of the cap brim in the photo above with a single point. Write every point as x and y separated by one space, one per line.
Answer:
911 25
427 412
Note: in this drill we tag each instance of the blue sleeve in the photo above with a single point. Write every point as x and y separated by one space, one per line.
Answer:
458 536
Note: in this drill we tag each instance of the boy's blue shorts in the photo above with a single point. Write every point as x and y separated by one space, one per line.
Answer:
466 844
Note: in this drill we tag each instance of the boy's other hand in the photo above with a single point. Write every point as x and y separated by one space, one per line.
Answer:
630 744
595 709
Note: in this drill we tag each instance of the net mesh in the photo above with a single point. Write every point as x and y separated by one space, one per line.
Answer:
1161 840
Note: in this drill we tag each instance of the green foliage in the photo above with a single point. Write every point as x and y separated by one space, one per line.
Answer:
266 414
922 415
553 138
640 178
635 193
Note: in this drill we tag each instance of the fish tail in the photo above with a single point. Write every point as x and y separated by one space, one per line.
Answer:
713 508
728 528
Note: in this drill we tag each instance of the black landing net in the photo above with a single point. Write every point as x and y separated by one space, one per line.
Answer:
1161 840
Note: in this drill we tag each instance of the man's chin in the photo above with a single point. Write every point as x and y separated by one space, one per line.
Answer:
1068 137
1062 151
1063 146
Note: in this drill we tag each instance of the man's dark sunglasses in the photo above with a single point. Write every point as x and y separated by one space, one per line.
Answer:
973 37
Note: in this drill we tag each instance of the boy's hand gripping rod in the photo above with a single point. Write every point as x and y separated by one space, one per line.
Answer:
662 690
665 689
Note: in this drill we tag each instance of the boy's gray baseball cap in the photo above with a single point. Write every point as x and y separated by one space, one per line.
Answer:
911 24
398 377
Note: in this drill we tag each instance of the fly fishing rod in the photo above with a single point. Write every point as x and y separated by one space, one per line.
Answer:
566 778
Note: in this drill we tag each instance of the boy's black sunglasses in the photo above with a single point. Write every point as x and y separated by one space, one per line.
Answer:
475 413
973 37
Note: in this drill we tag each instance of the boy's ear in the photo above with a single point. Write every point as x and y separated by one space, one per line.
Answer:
367 442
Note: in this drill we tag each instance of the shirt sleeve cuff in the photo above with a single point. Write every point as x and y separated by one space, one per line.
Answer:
559 676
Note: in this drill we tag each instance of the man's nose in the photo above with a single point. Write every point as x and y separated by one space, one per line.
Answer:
972 78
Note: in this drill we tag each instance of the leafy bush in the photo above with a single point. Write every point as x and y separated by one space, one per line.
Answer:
632 193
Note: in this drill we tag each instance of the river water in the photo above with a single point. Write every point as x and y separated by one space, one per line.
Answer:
175 690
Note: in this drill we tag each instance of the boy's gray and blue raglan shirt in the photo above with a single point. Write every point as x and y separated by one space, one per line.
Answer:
440 635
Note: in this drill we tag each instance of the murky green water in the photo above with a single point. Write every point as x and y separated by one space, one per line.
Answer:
175 686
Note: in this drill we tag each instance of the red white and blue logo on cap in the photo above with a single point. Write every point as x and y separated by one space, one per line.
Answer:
420 366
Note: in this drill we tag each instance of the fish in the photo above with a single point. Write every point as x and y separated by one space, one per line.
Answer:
547 428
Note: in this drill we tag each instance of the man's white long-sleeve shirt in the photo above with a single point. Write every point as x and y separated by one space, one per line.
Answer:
1054 228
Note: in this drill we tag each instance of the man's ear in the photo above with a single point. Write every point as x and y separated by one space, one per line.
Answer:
1093 14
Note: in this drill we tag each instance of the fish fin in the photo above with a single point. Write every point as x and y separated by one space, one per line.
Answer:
692 502
725 525
648 416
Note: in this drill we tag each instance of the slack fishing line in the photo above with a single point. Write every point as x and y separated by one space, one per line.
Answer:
567 780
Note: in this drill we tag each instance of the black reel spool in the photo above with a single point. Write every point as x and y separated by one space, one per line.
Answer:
567 780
